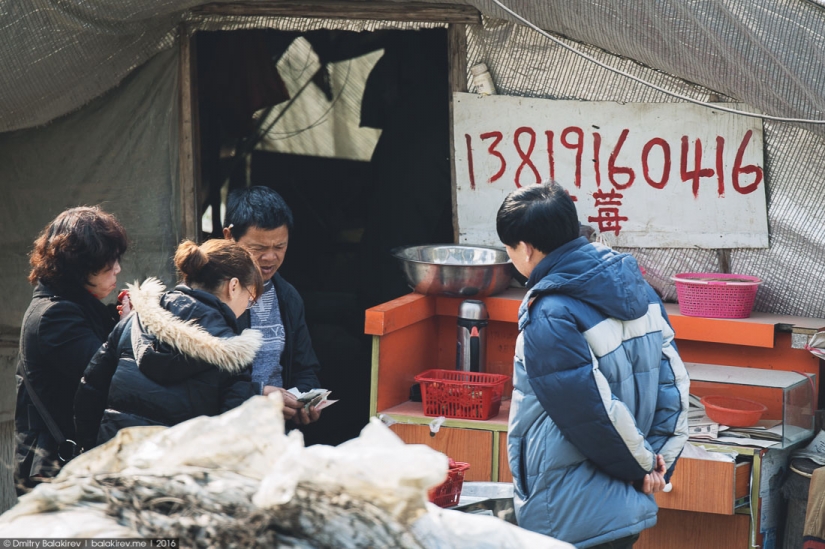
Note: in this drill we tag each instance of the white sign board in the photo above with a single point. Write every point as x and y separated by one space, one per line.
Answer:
647 175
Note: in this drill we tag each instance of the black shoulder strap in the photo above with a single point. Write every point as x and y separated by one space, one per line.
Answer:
66 449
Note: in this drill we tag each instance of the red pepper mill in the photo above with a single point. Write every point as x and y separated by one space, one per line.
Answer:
471 346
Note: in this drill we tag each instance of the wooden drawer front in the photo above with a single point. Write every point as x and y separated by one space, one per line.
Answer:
467 445
504 474
681 530
706 486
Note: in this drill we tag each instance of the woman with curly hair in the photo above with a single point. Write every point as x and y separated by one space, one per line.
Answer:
75 263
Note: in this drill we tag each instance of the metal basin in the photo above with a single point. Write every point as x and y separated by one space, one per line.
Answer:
455 270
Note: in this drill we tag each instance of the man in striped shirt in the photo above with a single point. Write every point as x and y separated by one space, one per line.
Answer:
258 218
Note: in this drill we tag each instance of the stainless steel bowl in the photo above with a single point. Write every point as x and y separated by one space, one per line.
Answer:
455 270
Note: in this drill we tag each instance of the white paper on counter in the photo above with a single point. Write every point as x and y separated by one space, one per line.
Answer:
737 441
697 452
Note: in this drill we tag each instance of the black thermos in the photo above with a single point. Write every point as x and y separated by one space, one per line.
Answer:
471 346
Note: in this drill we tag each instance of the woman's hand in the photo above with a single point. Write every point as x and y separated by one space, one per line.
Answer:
124 305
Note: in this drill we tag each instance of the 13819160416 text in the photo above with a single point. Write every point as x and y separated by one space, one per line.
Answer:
653 160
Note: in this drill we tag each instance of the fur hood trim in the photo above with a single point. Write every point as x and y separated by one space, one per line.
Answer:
231 354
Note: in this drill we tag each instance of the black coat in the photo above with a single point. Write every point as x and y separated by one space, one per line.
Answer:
60 334
298 361
179 356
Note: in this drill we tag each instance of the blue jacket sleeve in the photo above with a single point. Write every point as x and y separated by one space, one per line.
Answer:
578 399
669 431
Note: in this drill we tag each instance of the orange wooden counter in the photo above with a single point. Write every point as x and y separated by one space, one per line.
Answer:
415 333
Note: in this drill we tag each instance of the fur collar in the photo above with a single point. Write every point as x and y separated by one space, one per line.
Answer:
231 354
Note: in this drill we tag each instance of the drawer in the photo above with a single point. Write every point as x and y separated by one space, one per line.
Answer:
706 486
468 445
687 530
729 483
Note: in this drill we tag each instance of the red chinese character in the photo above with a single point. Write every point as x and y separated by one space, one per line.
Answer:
613 198
608 219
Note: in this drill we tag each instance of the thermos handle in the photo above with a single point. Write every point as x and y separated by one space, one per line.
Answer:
474 350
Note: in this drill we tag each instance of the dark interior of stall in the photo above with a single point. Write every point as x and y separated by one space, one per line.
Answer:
348 213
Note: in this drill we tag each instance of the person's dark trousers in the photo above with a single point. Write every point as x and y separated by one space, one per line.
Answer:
621 543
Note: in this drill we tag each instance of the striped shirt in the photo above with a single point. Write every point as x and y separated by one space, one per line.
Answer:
266 317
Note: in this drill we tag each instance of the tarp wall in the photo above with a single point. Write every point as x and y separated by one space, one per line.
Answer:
522 62
56 56
769 55
120 152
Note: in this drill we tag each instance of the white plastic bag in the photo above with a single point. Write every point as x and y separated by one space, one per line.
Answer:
239 477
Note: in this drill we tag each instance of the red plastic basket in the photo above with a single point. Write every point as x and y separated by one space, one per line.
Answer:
716 295
462 395
448 492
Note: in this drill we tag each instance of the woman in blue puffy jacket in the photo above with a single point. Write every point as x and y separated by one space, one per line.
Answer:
600 394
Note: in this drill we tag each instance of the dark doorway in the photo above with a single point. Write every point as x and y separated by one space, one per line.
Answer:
349 213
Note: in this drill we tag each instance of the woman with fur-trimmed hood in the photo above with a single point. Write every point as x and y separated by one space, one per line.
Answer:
180 354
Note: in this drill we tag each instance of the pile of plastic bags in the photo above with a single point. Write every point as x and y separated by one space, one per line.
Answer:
237 480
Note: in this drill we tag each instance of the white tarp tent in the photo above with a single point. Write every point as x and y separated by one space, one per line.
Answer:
58 58
90 114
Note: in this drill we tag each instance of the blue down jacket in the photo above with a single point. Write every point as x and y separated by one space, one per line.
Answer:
599 390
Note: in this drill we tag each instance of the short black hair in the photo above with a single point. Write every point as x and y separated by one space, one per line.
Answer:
259 207
543 216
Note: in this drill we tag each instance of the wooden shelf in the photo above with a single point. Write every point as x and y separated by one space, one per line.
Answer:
756 331
412 412
411 308
707 486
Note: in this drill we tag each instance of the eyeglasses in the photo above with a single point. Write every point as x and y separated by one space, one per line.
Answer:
250 300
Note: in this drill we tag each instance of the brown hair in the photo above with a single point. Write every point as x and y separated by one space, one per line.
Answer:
77 243
216 261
